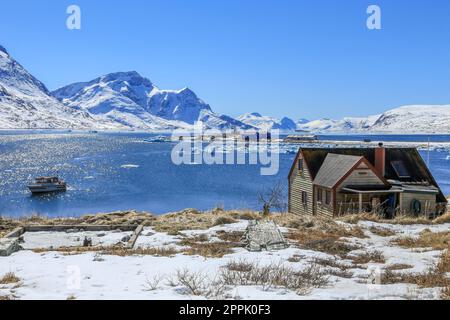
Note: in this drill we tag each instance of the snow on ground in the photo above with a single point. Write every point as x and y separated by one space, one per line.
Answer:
52 275
48 239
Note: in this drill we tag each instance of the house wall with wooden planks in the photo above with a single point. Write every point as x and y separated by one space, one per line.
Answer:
321 208
361 176
427 201
300 181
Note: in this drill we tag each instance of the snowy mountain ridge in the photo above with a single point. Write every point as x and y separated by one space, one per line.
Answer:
405 119
128 101
26 103
135 102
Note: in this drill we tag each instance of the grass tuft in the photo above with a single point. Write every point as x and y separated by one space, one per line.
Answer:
9 278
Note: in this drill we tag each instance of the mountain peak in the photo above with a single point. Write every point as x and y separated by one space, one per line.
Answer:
123 76
256 114
2 49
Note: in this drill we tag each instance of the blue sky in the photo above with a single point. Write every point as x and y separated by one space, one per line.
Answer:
303 59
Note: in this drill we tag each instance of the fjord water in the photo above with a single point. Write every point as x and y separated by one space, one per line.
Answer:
121 171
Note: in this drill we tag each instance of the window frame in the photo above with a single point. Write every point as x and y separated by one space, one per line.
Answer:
304 198
300 166
328 197
319 196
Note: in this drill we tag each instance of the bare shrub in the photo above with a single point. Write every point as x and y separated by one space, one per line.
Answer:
193 281
242 273
273 198
239 266
153 283
199 284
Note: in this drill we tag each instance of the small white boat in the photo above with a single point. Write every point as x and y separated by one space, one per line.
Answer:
47 185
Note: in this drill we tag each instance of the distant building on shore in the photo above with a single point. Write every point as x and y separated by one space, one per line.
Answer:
299 138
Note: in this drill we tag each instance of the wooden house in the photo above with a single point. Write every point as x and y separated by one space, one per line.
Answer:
337 181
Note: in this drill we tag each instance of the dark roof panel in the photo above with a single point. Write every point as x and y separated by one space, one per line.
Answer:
334 167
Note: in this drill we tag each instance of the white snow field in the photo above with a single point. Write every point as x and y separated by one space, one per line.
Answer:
91 275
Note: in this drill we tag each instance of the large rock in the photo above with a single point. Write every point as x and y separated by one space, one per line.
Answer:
8 246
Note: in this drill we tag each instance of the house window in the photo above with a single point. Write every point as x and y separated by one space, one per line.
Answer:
328 197
300 166
319 195
304 198
400 169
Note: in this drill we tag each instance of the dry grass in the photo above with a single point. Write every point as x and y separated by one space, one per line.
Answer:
371 256
398 266
443 265
234 236
402 219
325 241
9 278
445 293
223 220
191 219
133 218
334 267
445 218
428 279
434 277
210 249
115 251
331 246
5 298
427 239
382 232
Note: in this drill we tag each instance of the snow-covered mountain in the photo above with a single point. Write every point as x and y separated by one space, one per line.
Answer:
134 101
345 125
126 100
406 119
414 119
26 103
267 123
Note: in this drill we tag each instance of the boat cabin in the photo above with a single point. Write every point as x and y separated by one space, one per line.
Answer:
42 180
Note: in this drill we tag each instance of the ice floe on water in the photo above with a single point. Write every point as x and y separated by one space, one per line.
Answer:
129 166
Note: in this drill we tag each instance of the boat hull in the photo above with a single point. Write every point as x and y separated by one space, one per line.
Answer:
46 189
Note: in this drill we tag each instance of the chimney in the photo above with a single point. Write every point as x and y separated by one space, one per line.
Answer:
380 159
